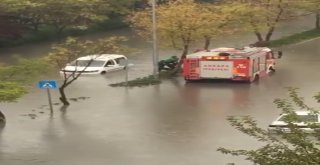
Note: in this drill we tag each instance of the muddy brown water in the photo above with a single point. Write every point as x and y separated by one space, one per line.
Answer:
172 123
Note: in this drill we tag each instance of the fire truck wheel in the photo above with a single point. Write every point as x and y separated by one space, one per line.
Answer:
256 78
272 69
187 80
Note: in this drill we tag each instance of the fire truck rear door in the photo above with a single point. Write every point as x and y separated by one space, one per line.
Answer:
216 69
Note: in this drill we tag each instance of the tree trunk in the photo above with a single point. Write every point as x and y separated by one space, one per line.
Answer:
269 34
207 43
2 120
259 36
59 29
277 19
35 27
35 24
183 56
63 97
318 20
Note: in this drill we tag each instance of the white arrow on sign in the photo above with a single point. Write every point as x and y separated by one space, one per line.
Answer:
47 85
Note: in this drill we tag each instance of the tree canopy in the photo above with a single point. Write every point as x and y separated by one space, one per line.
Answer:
80 14
262 16
73 48
312 6
181 22
296 147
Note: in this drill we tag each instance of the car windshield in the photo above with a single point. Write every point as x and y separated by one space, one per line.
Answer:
303 118
84 63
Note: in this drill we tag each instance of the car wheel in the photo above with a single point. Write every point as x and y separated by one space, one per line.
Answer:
103 72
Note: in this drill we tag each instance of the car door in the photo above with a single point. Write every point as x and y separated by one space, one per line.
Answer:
110 66
120 62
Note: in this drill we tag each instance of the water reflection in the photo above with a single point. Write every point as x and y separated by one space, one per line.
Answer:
188 92
186 113
215 92
188 118
69 141
1 143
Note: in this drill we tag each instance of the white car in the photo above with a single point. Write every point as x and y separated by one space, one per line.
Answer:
96 64
304 120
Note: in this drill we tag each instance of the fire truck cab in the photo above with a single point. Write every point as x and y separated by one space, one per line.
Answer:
245 64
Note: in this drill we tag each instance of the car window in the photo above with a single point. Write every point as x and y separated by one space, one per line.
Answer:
119 59
87 63
110 62
303 118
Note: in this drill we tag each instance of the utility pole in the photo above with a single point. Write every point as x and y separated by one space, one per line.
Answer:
155 57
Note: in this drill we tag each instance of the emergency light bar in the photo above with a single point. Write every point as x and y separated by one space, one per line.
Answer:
215 58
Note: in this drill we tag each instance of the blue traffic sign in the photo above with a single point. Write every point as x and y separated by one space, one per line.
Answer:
48 84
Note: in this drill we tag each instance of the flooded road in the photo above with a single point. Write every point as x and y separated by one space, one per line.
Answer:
173 123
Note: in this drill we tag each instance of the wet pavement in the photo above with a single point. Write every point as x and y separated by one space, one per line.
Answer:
173 123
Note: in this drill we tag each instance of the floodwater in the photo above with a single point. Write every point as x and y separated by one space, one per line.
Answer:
173 123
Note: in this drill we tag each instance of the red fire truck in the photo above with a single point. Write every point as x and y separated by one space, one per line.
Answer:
246 64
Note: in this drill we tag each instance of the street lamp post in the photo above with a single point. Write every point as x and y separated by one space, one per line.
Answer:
154 38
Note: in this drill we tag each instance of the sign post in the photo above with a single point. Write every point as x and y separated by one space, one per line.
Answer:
50 101
126 68
48 84
126 65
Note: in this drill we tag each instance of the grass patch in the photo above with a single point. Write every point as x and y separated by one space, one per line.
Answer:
139 82
148 80
296 38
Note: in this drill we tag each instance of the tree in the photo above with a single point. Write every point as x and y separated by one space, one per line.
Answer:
312 6
72 48
295 148
61 14
9 29
219 21
262 15
119 7
179 23
26 13
14 79
73 13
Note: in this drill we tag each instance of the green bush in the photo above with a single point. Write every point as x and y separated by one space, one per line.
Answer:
48 33
139 82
